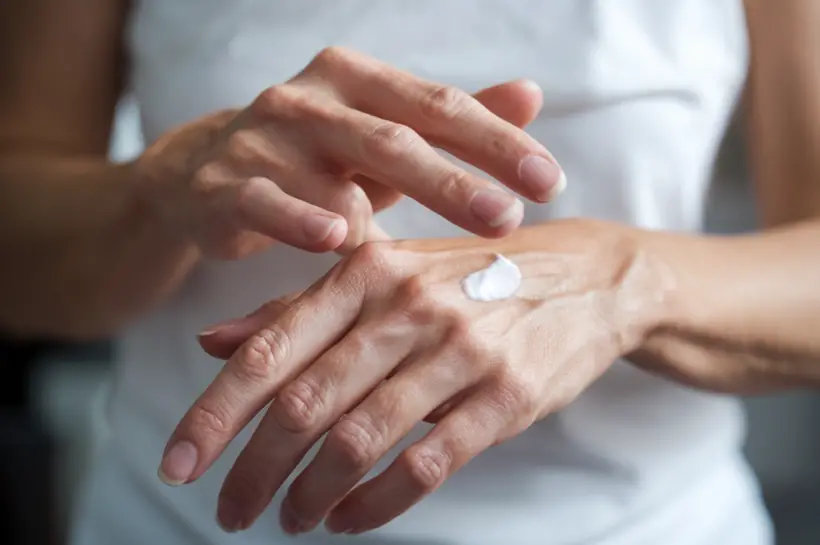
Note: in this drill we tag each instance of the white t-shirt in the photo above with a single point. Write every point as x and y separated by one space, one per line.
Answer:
637 94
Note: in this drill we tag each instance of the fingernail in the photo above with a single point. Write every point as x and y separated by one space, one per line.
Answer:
289 521
531 85
225 528
178 464
339 526
317 227
544 178
496 207
227 517
220 327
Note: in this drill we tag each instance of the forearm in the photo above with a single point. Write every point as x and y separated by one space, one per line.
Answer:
744 313
80 251
741 314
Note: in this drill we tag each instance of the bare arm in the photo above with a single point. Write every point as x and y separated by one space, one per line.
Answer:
87 245
739 314
746 314
79 251
387 338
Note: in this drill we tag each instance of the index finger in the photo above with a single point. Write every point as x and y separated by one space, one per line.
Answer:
452 120
397 156
252 376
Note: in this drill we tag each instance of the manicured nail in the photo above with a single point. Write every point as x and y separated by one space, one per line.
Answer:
317 227
531 85
496 207
227 527
339 526
220 327
178 464
227 516
289 521
544 178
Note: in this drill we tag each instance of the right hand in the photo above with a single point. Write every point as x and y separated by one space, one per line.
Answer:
311 160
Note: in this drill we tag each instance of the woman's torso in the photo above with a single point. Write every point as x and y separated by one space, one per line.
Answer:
636 96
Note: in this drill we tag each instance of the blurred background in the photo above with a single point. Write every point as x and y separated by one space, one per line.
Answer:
51 402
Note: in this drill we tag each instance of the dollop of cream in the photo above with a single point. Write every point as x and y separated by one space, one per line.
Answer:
500 280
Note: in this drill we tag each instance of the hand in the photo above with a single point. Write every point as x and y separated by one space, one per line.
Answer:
310 160
386 339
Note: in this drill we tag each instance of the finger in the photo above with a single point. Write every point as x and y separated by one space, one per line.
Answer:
517 102
305 409
442 410
469 430
253 375
381 196
374 233
341 196
368 432
263 207
394 155
255 152
453 120
223 339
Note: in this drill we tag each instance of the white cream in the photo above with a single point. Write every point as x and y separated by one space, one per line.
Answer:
500 280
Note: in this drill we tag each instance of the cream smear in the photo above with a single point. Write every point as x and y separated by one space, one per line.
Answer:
500 280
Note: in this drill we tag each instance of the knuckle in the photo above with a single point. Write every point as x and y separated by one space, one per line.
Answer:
370 255
297 407
372 265
357 440
333 55
283 100
454 183
359 344
262 353
516 394
415 289
470 344
384 268
427 470
417 298
246 192
242 146
444 103
351 201
389 141
208 177
462 331
270 101
210 420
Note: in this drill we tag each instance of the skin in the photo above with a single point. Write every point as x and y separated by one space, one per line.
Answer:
387 339
88 245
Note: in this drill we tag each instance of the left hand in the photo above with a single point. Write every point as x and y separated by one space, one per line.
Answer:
388 338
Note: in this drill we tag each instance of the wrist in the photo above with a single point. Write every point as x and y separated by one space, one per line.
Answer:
154 203
688 307
649 288
616 266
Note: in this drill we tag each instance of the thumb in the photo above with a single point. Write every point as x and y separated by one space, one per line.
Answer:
516 101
